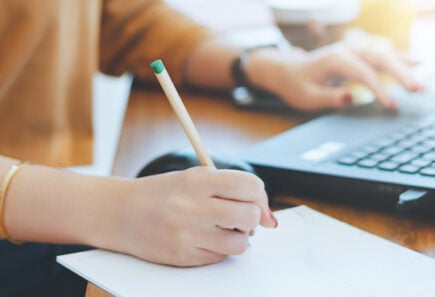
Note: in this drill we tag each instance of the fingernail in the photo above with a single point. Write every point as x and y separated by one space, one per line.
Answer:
252 232
347 99
392 105
415 86
273 218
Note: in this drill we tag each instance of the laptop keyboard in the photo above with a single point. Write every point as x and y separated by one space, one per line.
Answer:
410 150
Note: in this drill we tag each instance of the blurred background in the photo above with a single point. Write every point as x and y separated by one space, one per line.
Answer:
408 24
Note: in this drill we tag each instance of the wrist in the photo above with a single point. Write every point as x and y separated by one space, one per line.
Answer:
261 66
274 69
109 199
242 72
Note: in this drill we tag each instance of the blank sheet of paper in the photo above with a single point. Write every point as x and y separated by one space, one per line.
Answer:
309 255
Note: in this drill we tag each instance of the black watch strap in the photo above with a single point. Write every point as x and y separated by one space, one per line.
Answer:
238 70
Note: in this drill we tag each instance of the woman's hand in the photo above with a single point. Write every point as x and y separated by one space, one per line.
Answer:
188 218
307 80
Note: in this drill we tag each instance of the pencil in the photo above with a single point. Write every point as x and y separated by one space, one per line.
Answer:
181 112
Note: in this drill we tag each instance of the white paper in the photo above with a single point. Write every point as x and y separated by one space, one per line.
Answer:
309 255
110 98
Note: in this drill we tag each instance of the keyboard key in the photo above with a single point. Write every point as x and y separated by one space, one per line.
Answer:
417 138
420 149
407 143
430 171
429 133
380 157
367 163
429 143
347 160
404 157
392 150
410 169
429 156
358 154
388 166
421 162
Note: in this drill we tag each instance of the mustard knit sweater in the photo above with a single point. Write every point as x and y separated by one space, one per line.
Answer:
49 52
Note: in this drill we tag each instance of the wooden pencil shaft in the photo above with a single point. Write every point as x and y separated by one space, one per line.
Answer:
184 118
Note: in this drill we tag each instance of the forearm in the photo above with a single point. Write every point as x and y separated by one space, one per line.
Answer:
51 205
208 66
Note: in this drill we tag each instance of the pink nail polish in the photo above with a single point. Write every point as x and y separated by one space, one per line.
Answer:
392 105
347 99
273 218
414 86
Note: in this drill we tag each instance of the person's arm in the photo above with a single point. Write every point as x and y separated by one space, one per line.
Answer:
134 33
186 218
301 78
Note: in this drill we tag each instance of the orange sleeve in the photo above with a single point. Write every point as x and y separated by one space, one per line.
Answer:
20 33
136 32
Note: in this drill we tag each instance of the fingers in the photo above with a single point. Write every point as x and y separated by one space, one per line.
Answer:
327 97
225 242
216 245
391 64
352 67
407 59
197 257
243 187
205 257
232 215
237 185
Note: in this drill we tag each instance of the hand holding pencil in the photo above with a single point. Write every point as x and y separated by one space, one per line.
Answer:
204 214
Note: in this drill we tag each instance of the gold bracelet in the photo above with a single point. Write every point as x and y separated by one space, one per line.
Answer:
3 190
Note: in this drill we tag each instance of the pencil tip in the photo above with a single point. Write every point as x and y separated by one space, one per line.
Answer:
157 66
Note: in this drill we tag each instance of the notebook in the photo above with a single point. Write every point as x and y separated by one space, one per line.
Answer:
308 255
366 155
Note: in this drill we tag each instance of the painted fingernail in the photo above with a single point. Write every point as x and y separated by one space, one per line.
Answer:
414 86
252 232
273 218
392 105
347 99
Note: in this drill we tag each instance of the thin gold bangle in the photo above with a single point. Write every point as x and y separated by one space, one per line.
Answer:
3 191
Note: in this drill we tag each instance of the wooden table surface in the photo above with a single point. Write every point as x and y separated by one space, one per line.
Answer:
151 128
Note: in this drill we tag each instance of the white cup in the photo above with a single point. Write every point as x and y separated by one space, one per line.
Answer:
313 23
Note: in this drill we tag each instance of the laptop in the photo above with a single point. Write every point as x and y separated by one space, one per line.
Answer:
365 156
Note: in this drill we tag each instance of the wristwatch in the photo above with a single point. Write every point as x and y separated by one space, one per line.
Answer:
245 94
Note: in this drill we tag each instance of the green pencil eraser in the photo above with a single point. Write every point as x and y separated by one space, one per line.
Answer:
157 66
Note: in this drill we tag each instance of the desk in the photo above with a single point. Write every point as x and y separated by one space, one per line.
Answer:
151 129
